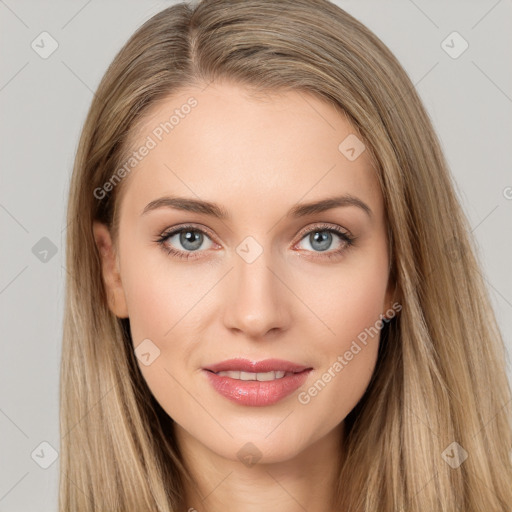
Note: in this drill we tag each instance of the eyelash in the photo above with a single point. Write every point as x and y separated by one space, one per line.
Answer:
348 240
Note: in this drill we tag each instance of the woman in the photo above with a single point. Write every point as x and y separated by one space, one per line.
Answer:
275 300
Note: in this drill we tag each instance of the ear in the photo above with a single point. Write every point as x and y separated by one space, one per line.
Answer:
110 270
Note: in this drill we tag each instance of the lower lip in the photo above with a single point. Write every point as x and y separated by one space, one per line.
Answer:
256 393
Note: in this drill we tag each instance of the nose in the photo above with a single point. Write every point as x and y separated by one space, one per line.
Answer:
258 300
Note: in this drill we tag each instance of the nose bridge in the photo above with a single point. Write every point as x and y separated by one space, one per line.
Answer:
257 301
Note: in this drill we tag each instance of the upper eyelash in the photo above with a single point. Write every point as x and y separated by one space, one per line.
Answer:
348 239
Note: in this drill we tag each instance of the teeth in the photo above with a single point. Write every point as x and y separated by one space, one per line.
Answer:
254 376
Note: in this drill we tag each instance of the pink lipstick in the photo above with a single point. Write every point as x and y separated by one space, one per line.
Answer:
256 383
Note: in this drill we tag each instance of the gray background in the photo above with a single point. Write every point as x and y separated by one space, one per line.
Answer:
43 105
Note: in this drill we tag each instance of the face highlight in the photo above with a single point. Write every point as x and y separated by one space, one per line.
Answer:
245 232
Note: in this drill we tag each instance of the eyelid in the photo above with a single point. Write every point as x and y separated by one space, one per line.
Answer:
196 227
324 226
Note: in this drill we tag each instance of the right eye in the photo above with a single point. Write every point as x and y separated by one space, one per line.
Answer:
190 238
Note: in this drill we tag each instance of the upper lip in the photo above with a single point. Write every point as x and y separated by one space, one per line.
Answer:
266 365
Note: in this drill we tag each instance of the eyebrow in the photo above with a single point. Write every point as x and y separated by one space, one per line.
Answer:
215 210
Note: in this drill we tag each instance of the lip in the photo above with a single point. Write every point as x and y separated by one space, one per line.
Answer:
256 393
245 365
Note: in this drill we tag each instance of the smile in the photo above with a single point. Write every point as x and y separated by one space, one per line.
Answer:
262 377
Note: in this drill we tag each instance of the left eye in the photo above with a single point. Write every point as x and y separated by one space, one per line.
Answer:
320 240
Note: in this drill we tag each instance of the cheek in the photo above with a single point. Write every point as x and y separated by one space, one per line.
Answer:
158 304
158 295
152 308
351 305
354 307
163 302
351 301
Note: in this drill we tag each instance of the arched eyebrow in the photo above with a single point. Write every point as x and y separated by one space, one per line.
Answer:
218 211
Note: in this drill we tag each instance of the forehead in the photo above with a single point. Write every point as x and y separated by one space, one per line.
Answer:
230 146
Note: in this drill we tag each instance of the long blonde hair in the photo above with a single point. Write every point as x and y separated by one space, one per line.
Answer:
440 376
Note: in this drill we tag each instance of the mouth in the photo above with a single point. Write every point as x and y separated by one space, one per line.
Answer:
259 376
243 365
256 383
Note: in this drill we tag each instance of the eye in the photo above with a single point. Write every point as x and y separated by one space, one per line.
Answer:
321 238
192 238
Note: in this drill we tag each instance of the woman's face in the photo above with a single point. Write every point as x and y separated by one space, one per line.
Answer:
272 279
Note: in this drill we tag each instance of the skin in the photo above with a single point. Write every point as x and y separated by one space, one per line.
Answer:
257 157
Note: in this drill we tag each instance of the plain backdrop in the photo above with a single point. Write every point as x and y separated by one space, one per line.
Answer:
43 104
